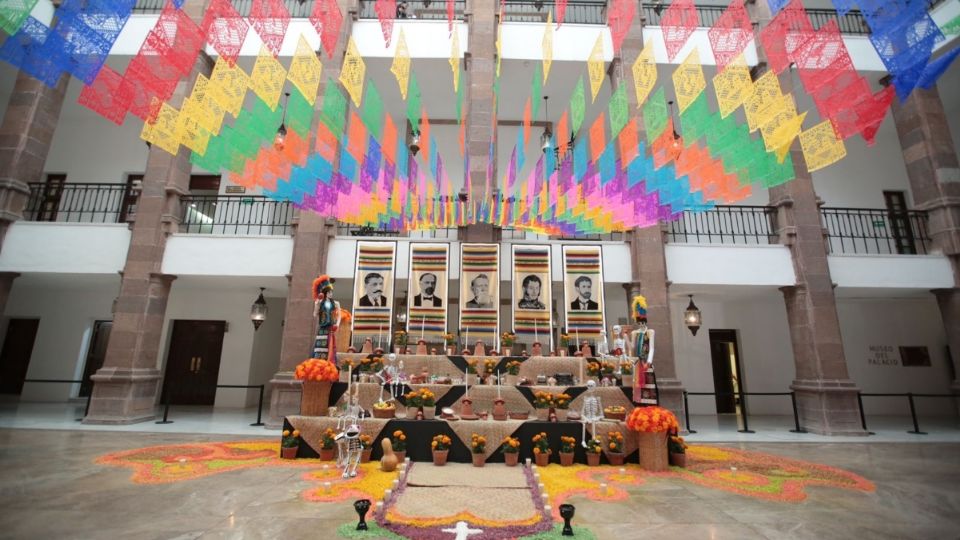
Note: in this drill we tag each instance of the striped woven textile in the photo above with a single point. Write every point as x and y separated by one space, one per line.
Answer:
579 261
374 322
532 323
480 323
428 321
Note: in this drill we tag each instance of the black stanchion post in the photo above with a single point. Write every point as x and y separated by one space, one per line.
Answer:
166 411
686 412
863 417
913 415
259 408
796 416
86 409
743 413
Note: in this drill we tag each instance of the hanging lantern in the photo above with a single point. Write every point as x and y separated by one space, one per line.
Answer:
691 316
258 311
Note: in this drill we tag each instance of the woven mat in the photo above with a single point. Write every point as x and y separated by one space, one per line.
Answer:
609 396
312 427
550 365
465 475
483 396
493 430
497 505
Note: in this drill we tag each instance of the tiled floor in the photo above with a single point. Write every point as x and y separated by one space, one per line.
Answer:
50 488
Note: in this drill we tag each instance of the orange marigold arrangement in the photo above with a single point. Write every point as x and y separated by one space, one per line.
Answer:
594 446
478 444
290 439
615 442
328 439
366 442
316 369
541 444
513 367
440 443
567 444
399 440
489 366
652 420
510 445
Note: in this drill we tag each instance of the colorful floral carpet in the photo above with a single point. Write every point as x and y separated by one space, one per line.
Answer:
747 473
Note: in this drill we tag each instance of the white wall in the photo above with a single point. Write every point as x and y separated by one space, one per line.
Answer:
210 255
265 357
729 265
891 271
82 248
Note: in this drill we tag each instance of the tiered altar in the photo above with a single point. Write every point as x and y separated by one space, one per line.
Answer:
445 377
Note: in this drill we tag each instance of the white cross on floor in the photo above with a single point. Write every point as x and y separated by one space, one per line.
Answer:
462 531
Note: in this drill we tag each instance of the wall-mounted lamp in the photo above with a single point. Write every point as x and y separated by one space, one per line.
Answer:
281 137
415 142
258 311
691 316
546 138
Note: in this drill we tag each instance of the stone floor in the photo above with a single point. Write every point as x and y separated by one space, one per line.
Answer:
50 488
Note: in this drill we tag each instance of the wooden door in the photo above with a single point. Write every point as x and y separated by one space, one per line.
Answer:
193 362
50 197
722 371
15 356
96 352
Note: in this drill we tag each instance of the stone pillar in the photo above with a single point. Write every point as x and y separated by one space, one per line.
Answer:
25 135
311 240
126 388
934 174
826 397
481 70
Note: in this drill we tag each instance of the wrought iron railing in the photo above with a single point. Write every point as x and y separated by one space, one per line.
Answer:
577 12
76 202
725 225
445 233
430 10
851 22
298 9
876 231
235 215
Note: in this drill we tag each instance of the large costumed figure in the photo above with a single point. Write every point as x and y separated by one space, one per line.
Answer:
326 311
641 346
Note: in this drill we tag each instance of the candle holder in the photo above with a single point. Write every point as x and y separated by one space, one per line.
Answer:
479 349
367 346
499 410
566 512
362 506
421 347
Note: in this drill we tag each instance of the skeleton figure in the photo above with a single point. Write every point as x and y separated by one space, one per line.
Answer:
348 438
591 412
619 343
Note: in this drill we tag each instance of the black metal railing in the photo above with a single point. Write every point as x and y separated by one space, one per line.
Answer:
876 231
577 12
431 10
76 202
445 233
725 225
852 22
235 215
297 9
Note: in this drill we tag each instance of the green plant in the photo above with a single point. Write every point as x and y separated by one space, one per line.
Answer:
510 445
290 439
567 444
676 445
478 444
328 440
513 367
399 440
541 444
561 401
440 443
594 446
400 337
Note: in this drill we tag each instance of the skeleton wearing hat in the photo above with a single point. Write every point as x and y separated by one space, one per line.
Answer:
326 311
641 346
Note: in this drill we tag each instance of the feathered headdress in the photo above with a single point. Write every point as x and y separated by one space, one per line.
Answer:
322 284
639 308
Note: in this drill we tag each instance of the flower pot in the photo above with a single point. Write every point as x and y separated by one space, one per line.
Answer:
289 452
401 455
615 458
440 457
452 350
327 454
412 413
543 414
510 380
561 414
562 352
478 459
388 412
399 349
566 459
315 398
505 351
344 375
511 458
542 459
653 451
429 412
365 455
678 460
593 459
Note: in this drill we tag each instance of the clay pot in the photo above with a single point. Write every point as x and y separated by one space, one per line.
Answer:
327 454
566 459
511 458
289 453
678 460
561 414
429 412
401 455
542 459
505 351
412 412
615 458
440 457
365 455
478 460
593 459
543 414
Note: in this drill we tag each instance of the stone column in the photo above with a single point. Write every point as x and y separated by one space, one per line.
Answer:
934 174
311 241
481 70
826 397
126 388
25 135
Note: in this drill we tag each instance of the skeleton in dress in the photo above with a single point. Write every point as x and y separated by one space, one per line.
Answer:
641 346
326 313
591 412
392 374
619 343
348 436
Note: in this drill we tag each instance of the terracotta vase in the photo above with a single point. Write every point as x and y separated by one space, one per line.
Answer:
593 459
289 452
365 455
328 454
315 398
401 455
542 459
478 459
566 459
511 458
440 457
615 458
678 460
653 451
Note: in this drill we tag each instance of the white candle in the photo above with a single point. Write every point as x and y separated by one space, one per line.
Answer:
466 378
547 509
528 463
326 487
379 332
468 338
603 489
498 384
387 493
423 322
545 497
396 484
623 470
379 507
406 460
536 333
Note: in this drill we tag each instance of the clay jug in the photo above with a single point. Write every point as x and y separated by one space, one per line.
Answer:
388 463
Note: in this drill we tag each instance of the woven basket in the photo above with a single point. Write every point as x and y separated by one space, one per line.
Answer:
653 451
315 398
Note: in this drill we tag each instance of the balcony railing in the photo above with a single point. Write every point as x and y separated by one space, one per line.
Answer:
852 22
78 203
297 9
431 10
577 12
235 215
725 225
876 231
346 229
